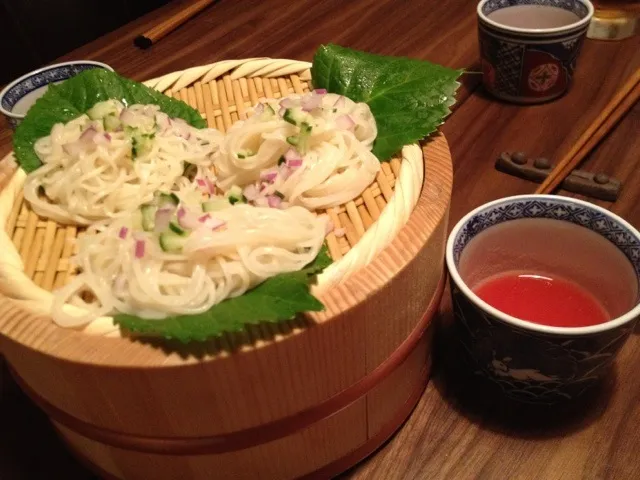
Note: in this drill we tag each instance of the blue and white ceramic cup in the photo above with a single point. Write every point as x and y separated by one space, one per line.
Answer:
531 362
530 65
18 96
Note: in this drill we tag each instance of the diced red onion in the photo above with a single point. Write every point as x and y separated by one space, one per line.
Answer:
201 183
339 232
274 201
74 149
88 135
210 185
251 192
269 175
187 219
287 103
293 158
321 91
123 232
311 102
340 102
281 111
127 116
149 111
204 218
214 223
163 120
291 154
102 139
139 248
259 109
163 217
345 122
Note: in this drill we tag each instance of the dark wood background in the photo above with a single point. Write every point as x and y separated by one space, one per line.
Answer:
458 430
34 32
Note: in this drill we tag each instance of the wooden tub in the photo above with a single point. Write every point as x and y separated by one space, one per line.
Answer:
305 399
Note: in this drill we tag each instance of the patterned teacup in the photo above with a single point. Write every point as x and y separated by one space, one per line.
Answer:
529 64
528 361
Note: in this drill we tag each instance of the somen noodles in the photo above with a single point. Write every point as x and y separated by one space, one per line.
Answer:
177 258
106 163
312 150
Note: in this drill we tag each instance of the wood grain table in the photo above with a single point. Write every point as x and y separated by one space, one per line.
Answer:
458 430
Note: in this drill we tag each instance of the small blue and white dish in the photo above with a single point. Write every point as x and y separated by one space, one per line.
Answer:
532 362
18 96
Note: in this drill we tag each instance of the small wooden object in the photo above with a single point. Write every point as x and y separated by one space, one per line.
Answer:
163 29
622 101
309 398
596 185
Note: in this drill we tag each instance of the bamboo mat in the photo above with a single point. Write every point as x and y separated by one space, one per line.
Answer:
46 247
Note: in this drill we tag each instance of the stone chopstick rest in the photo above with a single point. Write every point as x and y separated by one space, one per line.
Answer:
595 185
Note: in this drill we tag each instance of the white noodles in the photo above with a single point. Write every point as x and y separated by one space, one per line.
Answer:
236 248
107 163
169 236
312 150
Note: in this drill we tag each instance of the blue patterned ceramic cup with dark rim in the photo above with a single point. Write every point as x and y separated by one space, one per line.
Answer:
18 96
528 56
531 362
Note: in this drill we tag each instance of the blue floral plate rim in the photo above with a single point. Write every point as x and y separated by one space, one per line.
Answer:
583 22
508 319
40 71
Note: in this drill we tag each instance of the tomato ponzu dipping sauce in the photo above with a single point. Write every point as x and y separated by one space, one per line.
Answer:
541 299
549 272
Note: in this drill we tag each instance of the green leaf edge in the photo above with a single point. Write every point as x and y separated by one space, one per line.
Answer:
381 153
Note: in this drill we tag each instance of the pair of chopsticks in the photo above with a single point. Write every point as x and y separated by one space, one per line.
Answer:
161 30
620 104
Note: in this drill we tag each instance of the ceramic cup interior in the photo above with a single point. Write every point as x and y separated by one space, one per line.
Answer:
19 95
528 361
527 56
610 226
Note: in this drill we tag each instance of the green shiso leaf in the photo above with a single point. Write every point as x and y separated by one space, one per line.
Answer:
277 299
75 96
408 98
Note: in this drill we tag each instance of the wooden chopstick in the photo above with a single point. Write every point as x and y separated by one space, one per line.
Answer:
167 26
620 104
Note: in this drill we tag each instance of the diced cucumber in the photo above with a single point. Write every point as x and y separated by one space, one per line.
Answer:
111 123
141 143
177 229
172 242
270 108
235 195
235 191
215 204
289 117
293 140
103 109
148 217
279 194
163 198
281 160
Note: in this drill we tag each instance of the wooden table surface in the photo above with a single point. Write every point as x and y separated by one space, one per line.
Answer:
456 431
